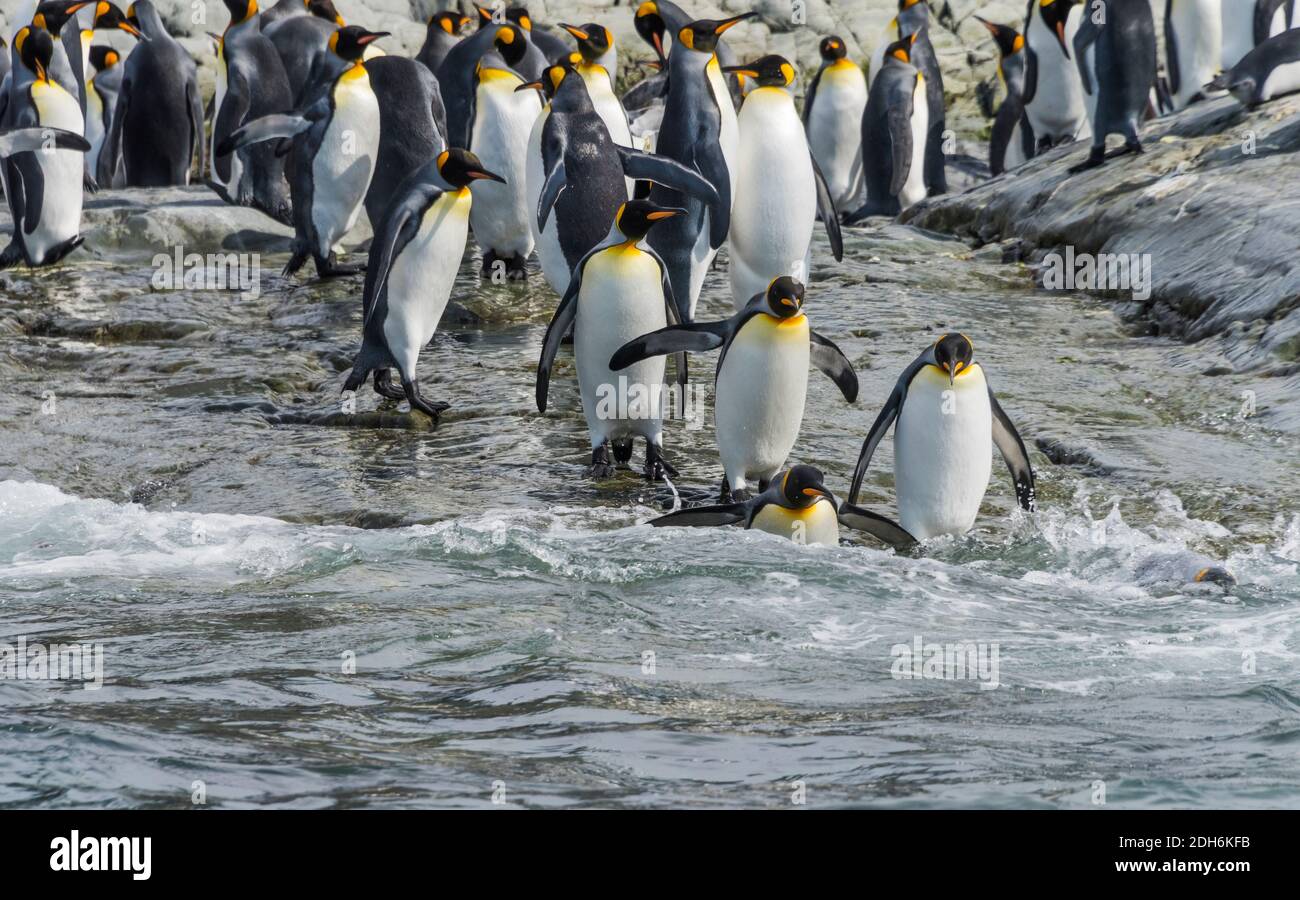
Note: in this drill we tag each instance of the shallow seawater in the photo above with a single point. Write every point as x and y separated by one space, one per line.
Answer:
517 630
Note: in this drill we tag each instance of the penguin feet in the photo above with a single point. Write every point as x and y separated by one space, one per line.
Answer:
602 466
740 495
295 263
330 267
1096 157
656 467
724 493
12 256
384 386
432 410
59 251
1129 147
622 451
511 268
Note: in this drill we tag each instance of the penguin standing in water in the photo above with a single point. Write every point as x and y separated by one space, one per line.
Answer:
620 290
42 184
698 127
1267 71
335 145
1117 64
762 378
832 118
158 123
795 505
1011 141
1193 47
595 43
413 262
948 422
251 83
503 118
101 97
458 75
779 188
1053 96
577 172
444 32
894 131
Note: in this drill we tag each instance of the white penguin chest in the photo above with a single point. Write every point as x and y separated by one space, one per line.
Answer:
817 524
345 160
607 104
1057 108
729 129
943 452
914 186
835 127
775 198
503 121
62 171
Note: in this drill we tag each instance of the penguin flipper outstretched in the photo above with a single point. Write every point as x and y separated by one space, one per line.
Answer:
274 127
21 140
877 526
697 337
893 406
834 364
826 206
1013 451
705 516
668 172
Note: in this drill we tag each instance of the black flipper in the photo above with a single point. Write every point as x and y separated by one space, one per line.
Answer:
561 323
705 516
713 166
267 128
695 338
555 183
1171 49
900 143
826 206
893 406
22 140
196 124
228 118
1088 33
879 527
1031 76
1004 126
1013 451
834 364
668 172
811 96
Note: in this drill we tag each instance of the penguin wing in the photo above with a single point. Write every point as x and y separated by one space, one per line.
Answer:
274 127
21 140
556 180
713 166
1013 451
826 206
644 93
705 516
877 526
111 151
893 406
399 225
900 141
1083 39
694 338
811 96
1004 126
668 172
1031 75
1262 21
196 121
561 324
1171 47
833 363
234 108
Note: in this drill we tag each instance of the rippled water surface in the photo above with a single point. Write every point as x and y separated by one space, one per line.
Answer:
518 629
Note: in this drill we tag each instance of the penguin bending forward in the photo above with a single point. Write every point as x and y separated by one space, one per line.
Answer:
948 421
762 378
1011 141
1267 71
413 263
796 505
894 130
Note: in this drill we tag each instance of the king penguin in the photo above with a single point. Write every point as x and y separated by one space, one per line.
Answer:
42 184
528 59
762 378
158 123
913 21
1117 64
894 131
796 505
101 97
413 262
779 188
595 42
1267 71
1011 141
619 290
458 75
1193 47
444 32
335 145
1053 94
948 423
700 131
832 117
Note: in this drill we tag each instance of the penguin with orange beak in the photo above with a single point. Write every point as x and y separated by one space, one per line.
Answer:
1053 95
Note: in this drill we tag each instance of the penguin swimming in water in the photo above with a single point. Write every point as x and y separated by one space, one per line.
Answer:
1193 47
778 188
697 129
1011 141
595 43
101 97
158 122
1181 568
413 263
795 505
619 290
762 378
444 32
458 75
576 171
832 118
251 83
1117 65
336 143
43 187
948 422
503 119
1267 71
1053 96
895 128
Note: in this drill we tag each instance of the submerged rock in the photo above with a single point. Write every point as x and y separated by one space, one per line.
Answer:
405 421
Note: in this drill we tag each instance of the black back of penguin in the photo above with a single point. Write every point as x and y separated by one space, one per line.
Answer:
412 125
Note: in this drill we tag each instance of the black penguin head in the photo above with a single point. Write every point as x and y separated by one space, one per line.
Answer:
54 14
784 297
350 42
241 10
901 49
802 486
594 40
832 48
35 47
650 25
459 167
519 15
450 22
103 57
1009 40
635 218
770 71
109 16
511 44
324 9
1054 13
953 353
550 81
702 34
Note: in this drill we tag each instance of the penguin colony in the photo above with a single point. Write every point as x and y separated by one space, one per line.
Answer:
516 134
